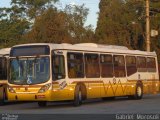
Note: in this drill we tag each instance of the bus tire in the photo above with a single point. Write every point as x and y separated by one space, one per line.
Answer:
139 91
84 92
2 101
42 103
77 96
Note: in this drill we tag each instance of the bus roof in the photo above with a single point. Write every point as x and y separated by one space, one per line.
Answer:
4 51
93 47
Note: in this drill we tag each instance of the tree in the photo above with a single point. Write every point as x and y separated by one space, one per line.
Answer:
76 18
110 25
155 24
50 27
61 26
11 27
19 18
137 26
11 31
30 9
119 23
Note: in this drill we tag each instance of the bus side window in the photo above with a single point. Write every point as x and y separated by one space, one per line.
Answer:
106 66
92 65
131 65
75 65
58 67
119 66
151 64
141 64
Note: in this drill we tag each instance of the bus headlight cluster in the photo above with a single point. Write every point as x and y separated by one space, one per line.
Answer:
44 88
11 89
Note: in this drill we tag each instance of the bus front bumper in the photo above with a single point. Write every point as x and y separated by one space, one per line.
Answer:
29 96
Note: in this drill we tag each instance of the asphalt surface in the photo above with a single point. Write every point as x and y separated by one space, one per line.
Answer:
149 104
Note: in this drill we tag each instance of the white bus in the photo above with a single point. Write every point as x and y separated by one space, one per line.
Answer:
57 72
4 54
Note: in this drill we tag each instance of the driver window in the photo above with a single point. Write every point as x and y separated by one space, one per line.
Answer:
58 67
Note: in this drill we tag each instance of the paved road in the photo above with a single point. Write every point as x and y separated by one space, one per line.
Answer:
149 104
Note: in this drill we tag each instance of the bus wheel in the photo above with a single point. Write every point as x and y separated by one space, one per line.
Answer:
139 91
42 103
77 96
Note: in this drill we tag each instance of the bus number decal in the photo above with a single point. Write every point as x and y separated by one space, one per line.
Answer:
114 81
58 52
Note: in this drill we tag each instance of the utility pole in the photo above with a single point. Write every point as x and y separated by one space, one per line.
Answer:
148 26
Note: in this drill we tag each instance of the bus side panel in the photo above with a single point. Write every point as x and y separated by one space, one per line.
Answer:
66 93
146 86
94 90
3 88
111 90
1 93
131 87
119 89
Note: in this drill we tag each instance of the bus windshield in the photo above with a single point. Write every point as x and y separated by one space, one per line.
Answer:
24 71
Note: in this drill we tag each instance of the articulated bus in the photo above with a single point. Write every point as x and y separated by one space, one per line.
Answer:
4 55
57 72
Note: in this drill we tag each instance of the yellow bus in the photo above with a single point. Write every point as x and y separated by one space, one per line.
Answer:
4 54
46 72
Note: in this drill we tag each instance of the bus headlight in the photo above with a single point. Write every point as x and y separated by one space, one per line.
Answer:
44 88
11 89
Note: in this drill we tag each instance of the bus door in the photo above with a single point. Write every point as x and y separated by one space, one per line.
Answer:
58 76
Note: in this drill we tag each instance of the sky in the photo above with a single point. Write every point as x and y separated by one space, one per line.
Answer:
91 4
